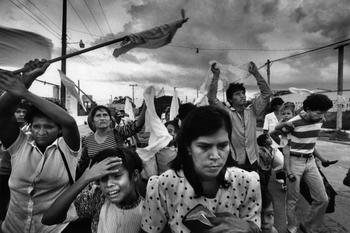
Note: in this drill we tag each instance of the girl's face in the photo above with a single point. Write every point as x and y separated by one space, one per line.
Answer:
101 119
267 218
171 130
287 114
209 154
118 187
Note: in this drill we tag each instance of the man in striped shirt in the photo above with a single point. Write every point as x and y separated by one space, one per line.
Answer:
300 163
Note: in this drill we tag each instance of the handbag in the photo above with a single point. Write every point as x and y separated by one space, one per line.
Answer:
80 225
196 220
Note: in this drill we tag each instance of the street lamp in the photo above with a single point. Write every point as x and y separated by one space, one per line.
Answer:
81 43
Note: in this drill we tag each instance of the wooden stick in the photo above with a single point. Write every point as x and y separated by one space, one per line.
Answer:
77 53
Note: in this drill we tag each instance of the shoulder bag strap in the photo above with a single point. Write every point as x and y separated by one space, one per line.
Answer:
66 165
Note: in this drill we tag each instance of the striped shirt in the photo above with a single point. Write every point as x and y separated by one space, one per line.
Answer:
304 135
115 138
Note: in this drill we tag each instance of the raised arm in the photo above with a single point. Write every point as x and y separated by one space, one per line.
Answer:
260 103
69 127
58 210
141 119
213 88
9 128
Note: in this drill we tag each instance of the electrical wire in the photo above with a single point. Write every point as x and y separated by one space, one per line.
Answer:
309 51
76 30
236 49
103 12
82 21
93 16
36 20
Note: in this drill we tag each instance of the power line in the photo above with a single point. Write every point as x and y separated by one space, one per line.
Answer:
82 21
235 49
45 15
36 20
76 30
93 16
309 51
103 12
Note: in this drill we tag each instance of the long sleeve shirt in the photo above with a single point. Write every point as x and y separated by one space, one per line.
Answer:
243 137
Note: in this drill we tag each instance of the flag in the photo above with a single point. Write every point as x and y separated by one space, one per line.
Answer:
159 135
18 47
300 91
128 109
70 85
151 39
174 107
161 93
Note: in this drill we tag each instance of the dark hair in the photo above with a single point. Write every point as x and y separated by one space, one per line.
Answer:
266 198
276 102
288 105
173 123
202 121
317 102
24 105
130 159
92 113
185 109
261 139
35 112
232 88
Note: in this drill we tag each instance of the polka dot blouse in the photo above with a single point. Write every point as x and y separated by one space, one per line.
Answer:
170 196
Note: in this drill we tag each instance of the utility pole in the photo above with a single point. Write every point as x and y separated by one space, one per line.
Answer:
268 65
133 86
78 107
64 50
197 91
340 85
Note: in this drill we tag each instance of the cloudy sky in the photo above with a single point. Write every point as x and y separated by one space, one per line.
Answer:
229 31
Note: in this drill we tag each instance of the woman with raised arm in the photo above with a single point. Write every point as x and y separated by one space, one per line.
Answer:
39 174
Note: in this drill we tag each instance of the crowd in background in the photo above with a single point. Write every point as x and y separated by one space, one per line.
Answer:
212 175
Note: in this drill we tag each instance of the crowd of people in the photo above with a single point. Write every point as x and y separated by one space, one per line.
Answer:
213 176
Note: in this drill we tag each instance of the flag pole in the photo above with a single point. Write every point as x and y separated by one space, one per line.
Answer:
77 53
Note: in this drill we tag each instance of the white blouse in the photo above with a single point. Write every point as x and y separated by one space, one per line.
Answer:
169 197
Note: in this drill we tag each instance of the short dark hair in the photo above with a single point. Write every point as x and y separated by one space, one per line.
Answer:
92 113
35 112
202 121
184 110
130 159
232 88
23 104
173 123
261 139
288 105
317 102
276 102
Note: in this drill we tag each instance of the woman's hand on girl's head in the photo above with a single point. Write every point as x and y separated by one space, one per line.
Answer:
107 166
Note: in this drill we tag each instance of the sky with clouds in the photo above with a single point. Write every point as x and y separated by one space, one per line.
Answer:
231 32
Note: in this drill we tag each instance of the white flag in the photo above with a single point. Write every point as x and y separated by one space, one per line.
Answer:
70 85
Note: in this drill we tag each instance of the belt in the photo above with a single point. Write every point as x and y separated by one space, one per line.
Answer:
301 155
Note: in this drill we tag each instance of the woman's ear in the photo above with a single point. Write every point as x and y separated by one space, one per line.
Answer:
136 175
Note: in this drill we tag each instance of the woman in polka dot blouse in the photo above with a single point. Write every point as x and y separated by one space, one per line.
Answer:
201 174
